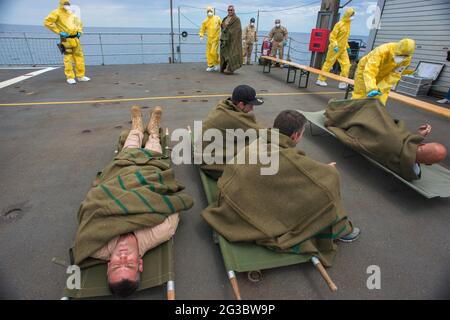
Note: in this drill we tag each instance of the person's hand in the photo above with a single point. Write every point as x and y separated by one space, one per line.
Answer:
201 39
285 43
424 130
78 35
374 93
349 51
333 164
336 49
64 34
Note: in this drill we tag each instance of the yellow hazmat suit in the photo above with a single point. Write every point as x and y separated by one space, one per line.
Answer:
211 25
339 39
60 20
378 70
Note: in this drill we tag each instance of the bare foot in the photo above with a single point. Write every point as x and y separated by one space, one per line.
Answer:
424 130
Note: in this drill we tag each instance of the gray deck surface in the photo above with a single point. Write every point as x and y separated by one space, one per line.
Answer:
47 164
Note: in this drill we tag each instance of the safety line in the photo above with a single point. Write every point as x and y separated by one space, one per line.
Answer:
49 103
12 81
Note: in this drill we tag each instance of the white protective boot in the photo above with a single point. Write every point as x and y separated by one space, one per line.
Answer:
321 83
210 69
84 79
342 85
443 101
71 81
217 68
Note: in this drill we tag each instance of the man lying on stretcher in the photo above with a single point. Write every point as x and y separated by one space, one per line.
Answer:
131 208
366 126
296 210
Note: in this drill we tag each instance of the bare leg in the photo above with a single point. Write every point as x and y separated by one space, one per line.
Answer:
153 143
134 139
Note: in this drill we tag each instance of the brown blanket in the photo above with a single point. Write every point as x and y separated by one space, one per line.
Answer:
366 126
226 116
231 44
298 210
136 190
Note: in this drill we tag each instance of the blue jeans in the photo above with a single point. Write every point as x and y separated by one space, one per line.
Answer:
448 95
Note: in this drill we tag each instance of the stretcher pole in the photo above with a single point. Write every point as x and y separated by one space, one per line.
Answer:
316 262
170 290
234 284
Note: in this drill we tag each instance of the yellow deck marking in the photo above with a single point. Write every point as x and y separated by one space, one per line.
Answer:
50 103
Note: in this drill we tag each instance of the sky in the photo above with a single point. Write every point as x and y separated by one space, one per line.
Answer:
156 13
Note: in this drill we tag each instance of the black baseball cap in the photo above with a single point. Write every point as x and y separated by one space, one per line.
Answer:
252 20
247 95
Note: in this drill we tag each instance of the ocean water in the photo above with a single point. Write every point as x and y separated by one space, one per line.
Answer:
35 45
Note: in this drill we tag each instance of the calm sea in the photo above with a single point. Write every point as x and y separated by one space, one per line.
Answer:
20 44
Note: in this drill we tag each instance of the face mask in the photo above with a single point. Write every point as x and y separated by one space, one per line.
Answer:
252 24
399 59
277 25
210 14
67 7
352 18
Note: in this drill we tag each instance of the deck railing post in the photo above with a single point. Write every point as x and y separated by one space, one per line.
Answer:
179 35
101 48
29 49
142 48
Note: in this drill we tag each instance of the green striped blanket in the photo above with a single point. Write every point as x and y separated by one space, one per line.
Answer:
136 190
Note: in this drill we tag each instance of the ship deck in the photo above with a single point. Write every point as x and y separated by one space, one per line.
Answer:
54 138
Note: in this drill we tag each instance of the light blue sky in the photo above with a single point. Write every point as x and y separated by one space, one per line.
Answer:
155 13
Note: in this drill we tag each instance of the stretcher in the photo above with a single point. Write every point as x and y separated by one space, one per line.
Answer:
307 70
158 262
252 258
434 181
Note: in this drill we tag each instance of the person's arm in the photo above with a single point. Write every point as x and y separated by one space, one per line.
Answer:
334 35
50 22
80 29
371 71
390 80
270 36
286 34
202 30
150 238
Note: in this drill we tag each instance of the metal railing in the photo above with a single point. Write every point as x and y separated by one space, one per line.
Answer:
120 48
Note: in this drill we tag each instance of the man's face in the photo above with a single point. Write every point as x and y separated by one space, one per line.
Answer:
231 11
125 262
245 107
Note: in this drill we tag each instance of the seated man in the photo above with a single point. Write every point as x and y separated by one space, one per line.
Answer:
131 208
366 126
232 113
297 210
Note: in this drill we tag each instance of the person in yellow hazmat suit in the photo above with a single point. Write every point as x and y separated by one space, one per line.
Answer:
64 22
338 49
381 69
211 25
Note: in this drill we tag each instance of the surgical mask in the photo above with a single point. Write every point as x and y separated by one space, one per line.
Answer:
277 25
252 24
352 18
68 8
399 59
210 14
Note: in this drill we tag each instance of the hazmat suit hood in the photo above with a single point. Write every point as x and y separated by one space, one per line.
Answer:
348 13
209 8
405 47
62 2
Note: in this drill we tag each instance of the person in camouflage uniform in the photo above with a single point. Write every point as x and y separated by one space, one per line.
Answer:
279 36
248 41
